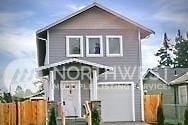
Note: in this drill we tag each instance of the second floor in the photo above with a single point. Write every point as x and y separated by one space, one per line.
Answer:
94 33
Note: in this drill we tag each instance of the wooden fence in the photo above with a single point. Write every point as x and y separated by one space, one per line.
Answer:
151 103
23 113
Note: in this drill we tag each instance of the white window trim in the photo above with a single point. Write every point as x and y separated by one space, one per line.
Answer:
87 46
107 45
179 92
67 46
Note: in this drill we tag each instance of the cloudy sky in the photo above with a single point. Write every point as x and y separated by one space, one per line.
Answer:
19 19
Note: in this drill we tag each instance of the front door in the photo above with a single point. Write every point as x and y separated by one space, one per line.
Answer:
71 98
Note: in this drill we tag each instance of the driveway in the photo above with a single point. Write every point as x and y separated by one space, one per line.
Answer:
125 123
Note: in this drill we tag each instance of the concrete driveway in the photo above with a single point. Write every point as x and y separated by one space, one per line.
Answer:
125 123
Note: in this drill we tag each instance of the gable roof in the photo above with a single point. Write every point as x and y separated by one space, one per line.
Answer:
102 7
75 60
167 74
180 80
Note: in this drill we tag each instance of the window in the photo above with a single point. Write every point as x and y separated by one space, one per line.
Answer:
114 46
182 94
94 46
74 46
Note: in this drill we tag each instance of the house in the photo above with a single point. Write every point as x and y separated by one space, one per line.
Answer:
171 82
94 54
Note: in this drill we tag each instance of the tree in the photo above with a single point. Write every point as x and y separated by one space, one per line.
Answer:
160 115
28 92
7 97
181 51
165 53
52 119
186 117
95 117
19 92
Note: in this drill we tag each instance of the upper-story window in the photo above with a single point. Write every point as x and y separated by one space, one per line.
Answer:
114 46
74 46
94 46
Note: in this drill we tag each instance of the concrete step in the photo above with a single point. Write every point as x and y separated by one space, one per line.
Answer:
75 121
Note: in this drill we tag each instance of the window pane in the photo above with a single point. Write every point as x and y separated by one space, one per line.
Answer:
74 45
114 45
94 45
183 95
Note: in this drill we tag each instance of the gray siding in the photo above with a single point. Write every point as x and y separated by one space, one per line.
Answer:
153 85
98 22
130 58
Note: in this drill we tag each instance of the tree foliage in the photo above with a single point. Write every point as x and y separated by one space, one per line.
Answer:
52 119
181 51
165 53
186 117
160 116
7 97
95 117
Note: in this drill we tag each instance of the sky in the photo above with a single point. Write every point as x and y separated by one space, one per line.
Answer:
19 20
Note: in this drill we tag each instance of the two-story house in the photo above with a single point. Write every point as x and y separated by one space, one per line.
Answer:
94 54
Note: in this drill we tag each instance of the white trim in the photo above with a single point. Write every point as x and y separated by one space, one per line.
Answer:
133 96
141 80
179 87
94 86
79 92
47 48
102 7
180 80
87 46
67 46
107 45
155 74
51 86
75 60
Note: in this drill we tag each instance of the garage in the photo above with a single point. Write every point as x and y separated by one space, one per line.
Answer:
117 100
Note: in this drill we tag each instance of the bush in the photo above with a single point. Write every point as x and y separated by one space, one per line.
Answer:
160 116
95 117
52 119
186 116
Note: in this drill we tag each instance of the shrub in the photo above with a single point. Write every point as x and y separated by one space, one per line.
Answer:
52 119
95 117
160 116
186 116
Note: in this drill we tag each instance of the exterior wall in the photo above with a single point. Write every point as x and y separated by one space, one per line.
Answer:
153 85
102 23
85 92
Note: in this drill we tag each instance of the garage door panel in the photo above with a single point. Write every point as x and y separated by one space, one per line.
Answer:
116 103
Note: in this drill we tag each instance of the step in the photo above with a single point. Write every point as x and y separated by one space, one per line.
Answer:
75 121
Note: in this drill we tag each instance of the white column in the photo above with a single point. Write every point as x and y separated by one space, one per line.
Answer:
94 85
51 86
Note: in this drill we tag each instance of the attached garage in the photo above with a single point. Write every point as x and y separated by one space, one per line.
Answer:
117 101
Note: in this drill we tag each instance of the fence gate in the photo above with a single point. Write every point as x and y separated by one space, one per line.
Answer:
23 113
151 103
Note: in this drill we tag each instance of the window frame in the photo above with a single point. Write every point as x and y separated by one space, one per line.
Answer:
101 46
107 45
179 87
68 48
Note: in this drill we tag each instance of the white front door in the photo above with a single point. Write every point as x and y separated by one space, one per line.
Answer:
71 98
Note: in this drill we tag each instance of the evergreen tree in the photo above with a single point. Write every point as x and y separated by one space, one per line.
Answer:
160 116
181 51
186 117
7 97
165 53
52 119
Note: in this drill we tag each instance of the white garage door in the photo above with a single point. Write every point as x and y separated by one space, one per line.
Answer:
116 101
